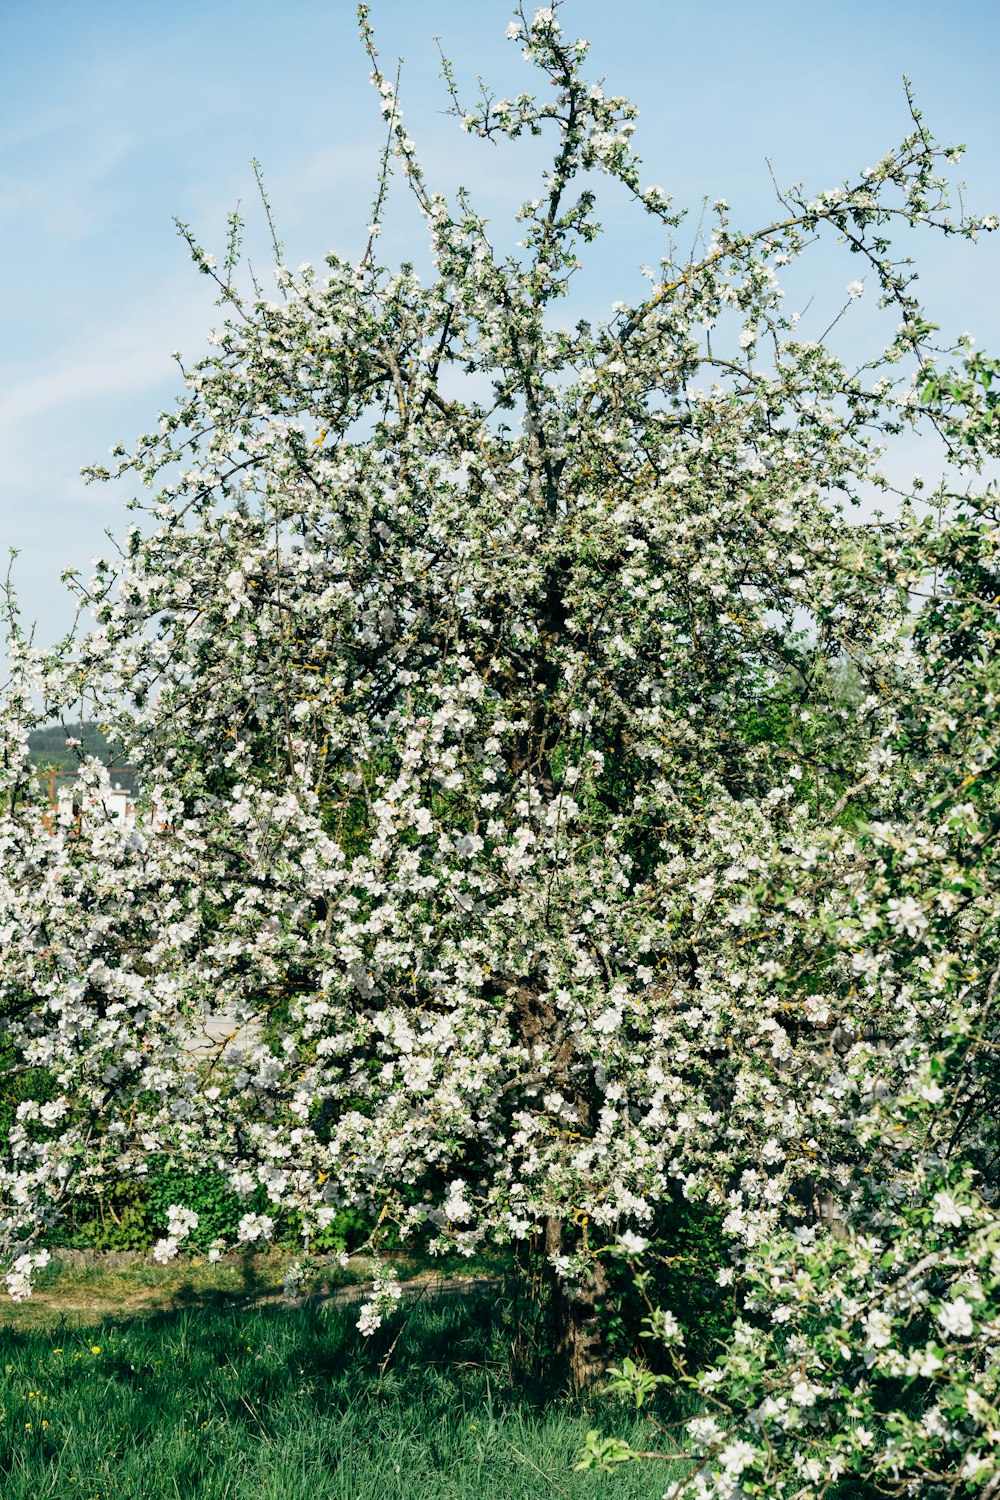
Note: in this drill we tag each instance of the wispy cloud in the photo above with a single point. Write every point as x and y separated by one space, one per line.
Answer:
68 203
124 363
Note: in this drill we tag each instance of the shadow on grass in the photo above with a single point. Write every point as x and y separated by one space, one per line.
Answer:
454 1397
482 1345
252 1288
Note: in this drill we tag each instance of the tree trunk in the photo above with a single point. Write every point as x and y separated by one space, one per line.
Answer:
579 1340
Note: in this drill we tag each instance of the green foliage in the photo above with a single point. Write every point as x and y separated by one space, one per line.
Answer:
680 1272
218 1208
117 1219
17 1086
604 1453
130 1215
633 1381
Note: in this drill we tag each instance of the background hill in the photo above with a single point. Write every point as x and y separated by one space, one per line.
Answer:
49 750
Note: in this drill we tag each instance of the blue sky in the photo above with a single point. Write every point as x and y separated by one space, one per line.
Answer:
115 116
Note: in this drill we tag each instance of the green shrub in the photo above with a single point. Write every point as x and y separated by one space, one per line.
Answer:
680 1272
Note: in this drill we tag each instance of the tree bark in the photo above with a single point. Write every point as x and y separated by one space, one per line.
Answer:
579 1339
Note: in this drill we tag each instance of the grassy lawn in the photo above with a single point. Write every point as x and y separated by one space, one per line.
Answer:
197 1390
71 1296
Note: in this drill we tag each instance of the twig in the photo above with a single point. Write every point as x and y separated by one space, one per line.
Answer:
392 1347
547 1477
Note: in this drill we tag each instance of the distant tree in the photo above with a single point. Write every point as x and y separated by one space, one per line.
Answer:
489 676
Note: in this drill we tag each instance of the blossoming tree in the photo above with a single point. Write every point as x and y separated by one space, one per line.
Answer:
486 676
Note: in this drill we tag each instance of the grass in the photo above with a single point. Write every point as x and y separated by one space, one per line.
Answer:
225 1400
75 1296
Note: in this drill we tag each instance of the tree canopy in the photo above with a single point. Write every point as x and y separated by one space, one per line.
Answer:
578 800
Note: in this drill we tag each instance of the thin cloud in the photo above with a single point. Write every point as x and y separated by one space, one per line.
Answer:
46 407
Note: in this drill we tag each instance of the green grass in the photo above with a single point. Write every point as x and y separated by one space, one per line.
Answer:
228 1402
81 1295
